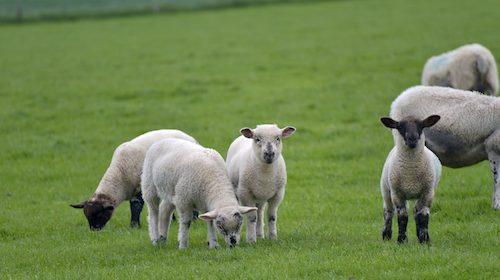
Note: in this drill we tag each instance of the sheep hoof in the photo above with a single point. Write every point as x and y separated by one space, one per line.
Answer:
251 240
496 204
213 245
135 224
387 234
423 237
402 239
159 241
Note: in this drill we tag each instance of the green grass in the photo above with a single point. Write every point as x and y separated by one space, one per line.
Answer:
71 92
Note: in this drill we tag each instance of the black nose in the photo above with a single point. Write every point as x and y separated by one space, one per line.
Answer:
233 241
269 156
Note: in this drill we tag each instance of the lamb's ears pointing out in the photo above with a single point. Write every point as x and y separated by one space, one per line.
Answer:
209 216
287 131
247 132
388 122
78 206
430 121
245 209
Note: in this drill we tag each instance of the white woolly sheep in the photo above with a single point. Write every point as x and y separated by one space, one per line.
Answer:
411 171
122 179
469 131
258 173
470 67
180 174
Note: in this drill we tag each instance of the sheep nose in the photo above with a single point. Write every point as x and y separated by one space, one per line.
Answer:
268 156
233 241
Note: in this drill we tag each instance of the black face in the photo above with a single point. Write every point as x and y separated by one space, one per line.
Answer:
410 130
230 227
97 215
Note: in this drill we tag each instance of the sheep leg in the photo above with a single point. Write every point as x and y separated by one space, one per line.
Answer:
136 204
246 200
492 144
495 168
185 217
153 204
212 236
422 222
164 219
421 214
387 230
260 220
251 227
272 214
388 214
402 220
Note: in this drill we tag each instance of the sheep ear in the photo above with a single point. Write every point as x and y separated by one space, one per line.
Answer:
79 205
287 131
388 122
245 209
247 132
430 121
209 216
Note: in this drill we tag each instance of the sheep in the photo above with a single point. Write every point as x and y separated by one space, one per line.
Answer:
411 171
470 67
258 174
469 133
121 181
184 175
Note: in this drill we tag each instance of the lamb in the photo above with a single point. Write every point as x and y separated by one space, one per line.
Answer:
258 174
470 67
470 132
183 175
121 181
411 171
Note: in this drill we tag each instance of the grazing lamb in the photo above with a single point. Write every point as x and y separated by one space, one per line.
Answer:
122 179
258 173
183 175
411 171
469 133
470 67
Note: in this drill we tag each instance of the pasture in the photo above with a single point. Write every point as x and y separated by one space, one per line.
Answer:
72 91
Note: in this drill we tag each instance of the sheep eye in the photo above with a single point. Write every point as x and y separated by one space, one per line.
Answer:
257 140
278 139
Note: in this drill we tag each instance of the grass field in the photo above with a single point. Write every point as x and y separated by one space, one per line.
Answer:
72 91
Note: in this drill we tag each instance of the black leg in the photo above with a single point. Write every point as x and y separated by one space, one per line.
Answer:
422 222
387 230
402 223
136 205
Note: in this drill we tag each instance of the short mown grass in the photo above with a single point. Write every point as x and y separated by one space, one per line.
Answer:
72 91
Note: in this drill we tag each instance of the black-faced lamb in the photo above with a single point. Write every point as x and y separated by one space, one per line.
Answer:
121 181
411 171
258 173
469 131
183 175
470 67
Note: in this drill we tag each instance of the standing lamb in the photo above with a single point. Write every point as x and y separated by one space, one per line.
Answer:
183 175
122 179
470 67
469 133
411 171
258 173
